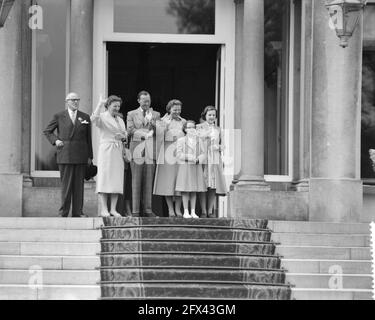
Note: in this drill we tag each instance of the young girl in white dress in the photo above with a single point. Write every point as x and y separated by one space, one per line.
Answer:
210 133
190 154
110 179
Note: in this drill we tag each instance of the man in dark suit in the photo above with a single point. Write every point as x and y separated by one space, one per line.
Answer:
141 129
74 151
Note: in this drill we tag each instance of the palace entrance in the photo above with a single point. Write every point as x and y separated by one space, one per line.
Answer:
187 72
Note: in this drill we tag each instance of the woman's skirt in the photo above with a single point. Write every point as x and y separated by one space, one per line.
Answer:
110 178
214 178
166 172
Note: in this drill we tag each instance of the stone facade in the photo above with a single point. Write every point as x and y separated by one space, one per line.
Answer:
326 151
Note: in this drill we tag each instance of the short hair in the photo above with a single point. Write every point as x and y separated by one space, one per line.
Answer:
206 110
142 93
112 99
184 126
173 103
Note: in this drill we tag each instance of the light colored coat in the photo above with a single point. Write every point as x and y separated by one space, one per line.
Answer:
110 177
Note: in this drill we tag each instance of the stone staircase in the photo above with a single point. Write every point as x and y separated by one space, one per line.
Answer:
189 259
55 258
49 258
325 261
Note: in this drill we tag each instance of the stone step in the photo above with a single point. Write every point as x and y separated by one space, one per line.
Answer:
22 292
194 291
325 266
321 252
30 235
148 275
228 223
164 246
146 233
318 227
331 294
49 262
51 223
331 240
189 260
50 277
324 281
49 248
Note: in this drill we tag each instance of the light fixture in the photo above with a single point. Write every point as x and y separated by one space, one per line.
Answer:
345 15
5 6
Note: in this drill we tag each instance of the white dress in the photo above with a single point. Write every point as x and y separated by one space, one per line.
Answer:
110 178
190 174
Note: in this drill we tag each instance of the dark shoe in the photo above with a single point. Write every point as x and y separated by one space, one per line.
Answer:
150 215
203 216
211 216
135 215
62 216
83 215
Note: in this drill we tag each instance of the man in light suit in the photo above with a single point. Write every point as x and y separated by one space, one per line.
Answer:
141 129
74 151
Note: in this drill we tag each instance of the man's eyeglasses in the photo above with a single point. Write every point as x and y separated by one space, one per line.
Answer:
74 100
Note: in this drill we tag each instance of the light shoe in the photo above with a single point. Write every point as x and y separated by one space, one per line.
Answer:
187 215
193 215
104 214
115 214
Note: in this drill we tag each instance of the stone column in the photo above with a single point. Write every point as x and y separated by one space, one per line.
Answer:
302 142
335 185
11 115
81 51
251 96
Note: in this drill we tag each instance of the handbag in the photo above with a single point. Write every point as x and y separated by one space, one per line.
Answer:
127 155
90 171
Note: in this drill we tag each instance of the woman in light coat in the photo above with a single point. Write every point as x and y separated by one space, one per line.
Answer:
169 130
210 133
112 136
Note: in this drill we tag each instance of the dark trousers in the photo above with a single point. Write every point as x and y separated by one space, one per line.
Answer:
142 184
72 187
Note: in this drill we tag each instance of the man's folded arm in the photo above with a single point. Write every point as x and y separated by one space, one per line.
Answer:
49 131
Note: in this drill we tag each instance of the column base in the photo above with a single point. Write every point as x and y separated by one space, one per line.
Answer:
301 186
272 205
335 200
11 195
252 184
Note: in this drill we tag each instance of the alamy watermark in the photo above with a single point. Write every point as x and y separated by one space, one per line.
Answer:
36 18
36 277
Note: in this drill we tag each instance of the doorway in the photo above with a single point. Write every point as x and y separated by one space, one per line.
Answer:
187 72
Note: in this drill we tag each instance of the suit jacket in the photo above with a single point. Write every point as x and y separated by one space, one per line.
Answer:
137 129
77 147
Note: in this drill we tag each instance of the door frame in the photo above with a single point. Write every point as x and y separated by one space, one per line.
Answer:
224 36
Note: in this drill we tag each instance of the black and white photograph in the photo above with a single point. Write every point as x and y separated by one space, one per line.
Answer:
187 155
